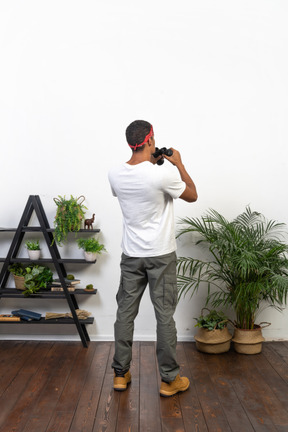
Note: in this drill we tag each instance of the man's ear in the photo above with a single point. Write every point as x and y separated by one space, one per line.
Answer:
150 142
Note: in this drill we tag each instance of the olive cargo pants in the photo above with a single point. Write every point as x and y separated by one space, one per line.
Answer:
160 273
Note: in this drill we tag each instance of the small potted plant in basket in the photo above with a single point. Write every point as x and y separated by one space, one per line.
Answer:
33 248
213 336
18 271
32 278
91 247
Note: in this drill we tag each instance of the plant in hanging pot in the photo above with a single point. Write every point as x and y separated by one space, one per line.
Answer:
247 269
213 336
91 247
33 248
69 215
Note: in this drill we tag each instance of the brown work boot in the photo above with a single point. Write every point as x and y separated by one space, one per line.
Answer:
180 384
121 382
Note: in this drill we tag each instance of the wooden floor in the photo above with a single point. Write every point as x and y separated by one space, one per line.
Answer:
61 387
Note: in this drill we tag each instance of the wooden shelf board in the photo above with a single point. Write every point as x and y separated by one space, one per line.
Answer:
88 320
50 260
14 293
38 228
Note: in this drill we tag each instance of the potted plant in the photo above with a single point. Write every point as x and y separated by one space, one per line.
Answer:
69 215
91 247
33 248
247 269
89 288
35 277
19 272
213 336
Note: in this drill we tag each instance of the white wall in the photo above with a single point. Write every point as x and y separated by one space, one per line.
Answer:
211 76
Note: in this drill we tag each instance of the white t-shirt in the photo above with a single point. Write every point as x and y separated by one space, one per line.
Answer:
145 193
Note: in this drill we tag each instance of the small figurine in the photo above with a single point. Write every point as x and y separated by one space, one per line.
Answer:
89 222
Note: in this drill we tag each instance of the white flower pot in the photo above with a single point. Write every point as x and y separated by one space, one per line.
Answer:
90 256
34 254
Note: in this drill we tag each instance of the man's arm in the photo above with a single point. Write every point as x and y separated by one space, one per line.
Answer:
190 193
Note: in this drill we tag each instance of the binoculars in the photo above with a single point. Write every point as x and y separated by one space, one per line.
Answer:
159 152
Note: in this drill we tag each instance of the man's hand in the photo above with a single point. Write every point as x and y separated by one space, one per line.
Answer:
190 193
154 160
175 159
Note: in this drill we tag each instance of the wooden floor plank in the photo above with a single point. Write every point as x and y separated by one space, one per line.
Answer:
149 417
107 410
8 351
239 371
13 358
69 398
73 388
218 369
192 414
43 408
85 413
266 397
280 349
272 378
276 361
128 411
171 412
32 393
60 422
211 406
63 387
24 389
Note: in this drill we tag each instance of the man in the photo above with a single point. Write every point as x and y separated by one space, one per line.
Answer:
145 192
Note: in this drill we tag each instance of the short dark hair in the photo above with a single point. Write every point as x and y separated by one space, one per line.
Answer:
136 133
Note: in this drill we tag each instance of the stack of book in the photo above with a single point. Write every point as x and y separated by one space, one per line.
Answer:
71 284
26 315
9 317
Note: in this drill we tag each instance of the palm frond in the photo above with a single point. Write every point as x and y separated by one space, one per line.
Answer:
248 265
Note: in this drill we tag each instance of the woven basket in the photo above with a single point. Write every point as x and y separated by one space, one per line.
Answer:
248 341
213 341
19 282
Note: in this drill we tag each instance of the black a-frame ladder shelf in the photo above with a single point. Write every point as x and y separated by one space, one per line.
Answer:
34 204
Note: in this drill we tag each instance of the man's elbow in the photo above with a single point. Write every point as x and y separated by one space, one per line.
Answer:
193 198
189 196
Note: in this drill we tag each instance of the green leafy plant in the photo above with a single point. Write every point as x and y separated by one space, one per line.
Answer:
89 287
91 245
32 245
214 320
17 269
248 268
36 277
69 215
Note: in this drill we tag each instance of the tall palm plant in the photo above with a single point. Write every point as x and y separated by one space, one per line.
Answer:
248 269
